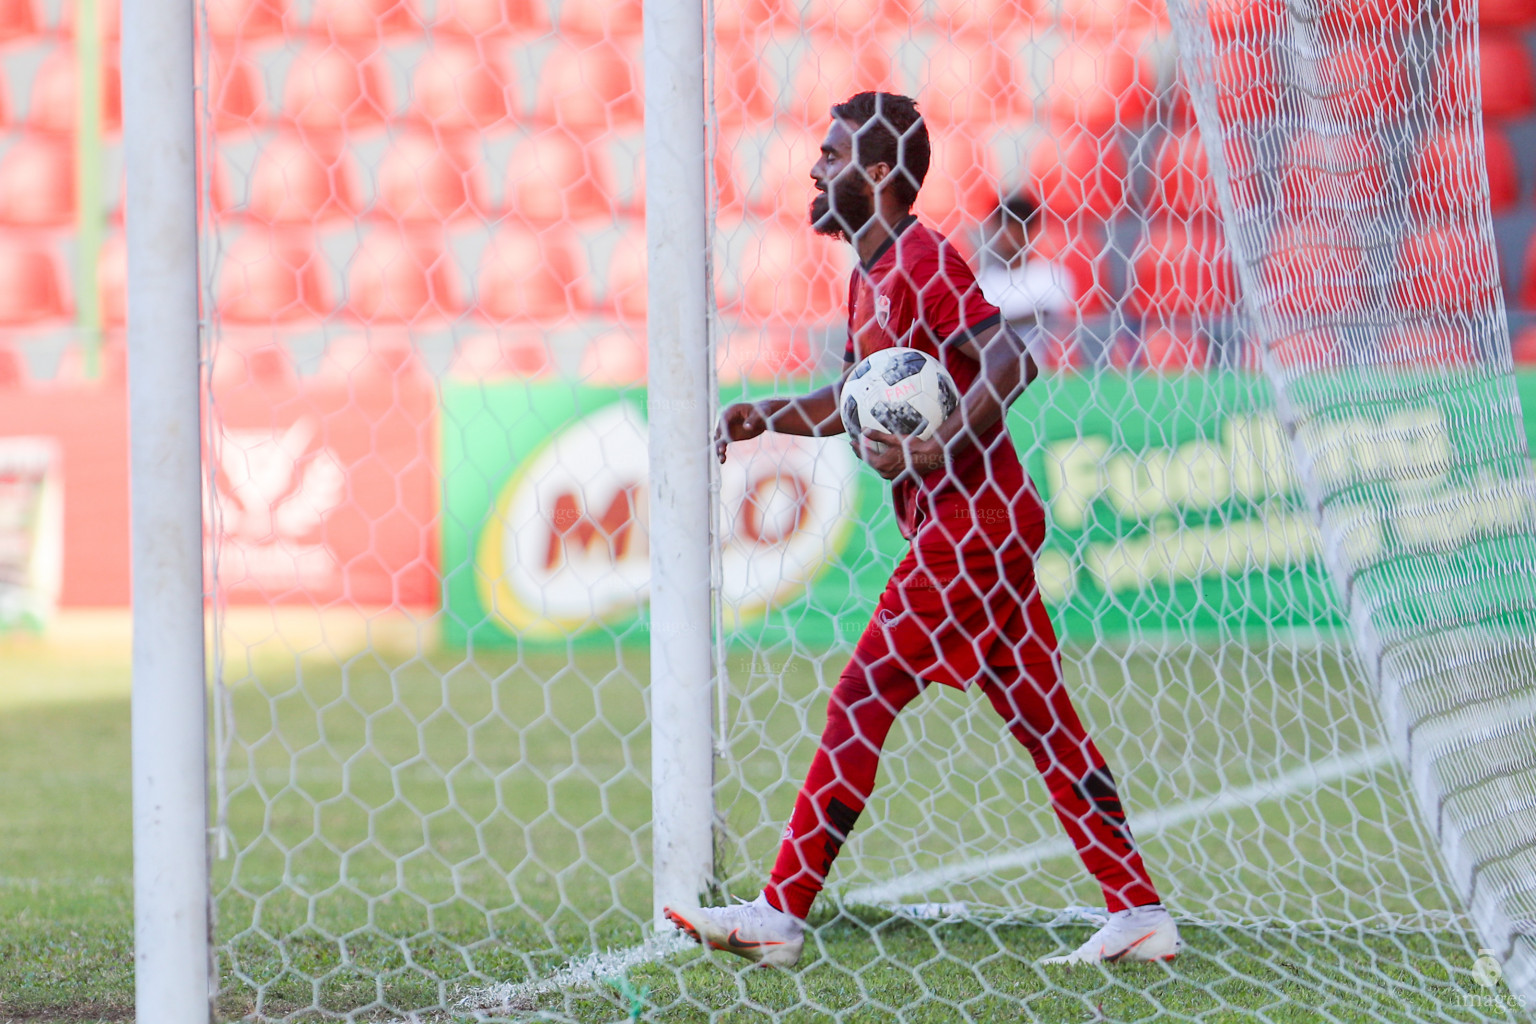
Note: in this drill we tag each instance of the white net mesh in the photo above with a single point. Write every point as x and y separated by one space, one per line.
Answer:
429 508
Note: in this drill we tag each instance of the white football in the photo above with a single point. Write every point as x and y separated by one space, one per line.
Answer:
902 391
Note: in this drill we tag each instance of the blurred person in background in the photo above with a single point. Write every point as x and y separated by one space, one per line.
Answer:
1027 289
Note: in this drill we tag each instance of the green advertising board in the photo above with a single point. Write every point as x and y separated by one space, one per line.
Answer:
1173 509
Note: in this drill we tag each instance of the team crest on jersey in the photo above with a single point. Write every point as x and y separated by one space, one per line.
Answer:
882 310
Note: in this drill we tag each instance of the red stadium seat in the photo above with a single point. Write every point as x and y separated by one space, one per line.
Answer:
1075 172
776 176
1505 13
246 20
430 181
1081 253
369 360
1418 345
1174 350
600 19
1446 268
295 182
614 359
1183 184
1307 350
625 292
763 356
1112 15
845 20
1509 84
830 74
268 278
1447 172
459 87
529 276
13 367
552 176
32 282
256 359
752 18
331 90
1310 277
1245 82
790 277
984 19
236 98
1099 84
37 182
516 353
348 20
402 277
1325 171
741 94
55 91
971 80
1182 269
1361 80
1523 347
1244 19
19 19
590 86
963 185
112 281
485 18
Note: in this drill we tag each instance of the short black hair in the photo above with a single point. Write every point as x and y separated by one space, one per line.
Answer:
1021 207
889 130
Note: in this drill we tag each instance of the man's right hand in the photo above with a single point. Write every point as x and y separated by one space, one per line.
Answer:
741 421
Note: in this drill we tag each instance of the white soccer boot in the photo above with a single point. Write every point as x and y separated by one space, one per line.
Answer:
756 930
1137 935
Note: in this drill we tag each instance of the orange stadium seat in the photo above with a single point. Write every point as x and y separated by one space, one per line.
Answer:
1099 83
1112 15
828 74
32 281
1309 277
484 18
614 359
515 353
984 19
402 277
37 182
1447 169
1168 349
605 19
1446 268
237 97
55 88
846 20
295 182
461 87
1509 84
19 19
273 277
624 293
426 180
590 86
1075 172
790 277
244 20
1324 171
1182 269
552 176
360 20
751 18
532 276
963 184
330 90
112 280
970 80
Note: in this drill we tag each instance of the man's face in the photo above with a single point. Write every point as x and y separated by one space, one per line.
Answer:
1009 237
845 199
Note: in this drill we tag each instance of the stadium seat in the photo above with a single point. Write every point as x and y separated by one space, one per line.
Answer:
32 281
273 277
426 180
362 20
476 19
1361 80
614 359
368 360
984 19
741 94
1509 84
1182 269
330 90
1523 346
402 277
789 277
590 86
600 19
774 172
1081 252
624 292
751 18
1247 91
1309 277
1244 19
1166 349
963 184
1447 172
1074 172
112 281
296 182
1504 13
1307 350
19 19
1446 269
1412 344
37 182
515 353
13 367
459 87
830 74
54 92
1333 172
970 81
237 97
763 356
838 22
531 276
1112 15
251 359
235 21
1182 183
552 177
1099 83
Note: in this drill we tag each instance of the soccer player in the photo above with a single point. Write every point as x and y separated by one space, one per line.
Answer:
962 607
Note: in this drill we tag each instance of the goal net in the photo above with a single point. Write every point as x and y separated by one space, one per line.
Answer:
1276 434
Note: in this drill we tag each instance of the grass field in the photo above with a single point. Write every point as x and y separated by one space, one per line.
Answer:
407 833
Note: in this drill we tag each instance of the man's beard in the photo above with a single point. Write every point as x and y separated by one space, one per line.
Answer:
855 207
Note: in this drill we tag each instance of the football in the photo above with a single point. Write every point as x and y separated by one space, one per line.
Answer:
901 391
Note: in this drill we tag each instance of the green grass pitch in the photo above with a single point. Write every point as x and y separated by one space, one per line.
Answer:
489 820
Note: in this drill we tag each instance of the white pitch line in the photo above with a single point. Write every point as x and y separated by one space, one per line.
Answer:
1297 780
584 970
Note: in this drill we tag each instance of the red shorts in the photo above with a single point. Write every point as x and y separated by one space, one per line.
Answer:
963 597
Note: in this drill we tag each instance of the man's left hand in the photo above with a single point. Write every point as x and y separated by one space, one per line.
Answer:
901 454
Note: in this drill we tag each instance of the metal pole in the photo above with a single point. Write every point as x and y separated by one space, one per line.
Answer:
170 759
682 753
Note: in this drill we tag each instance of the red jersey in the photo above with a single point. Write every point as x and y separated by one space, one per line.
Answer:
918 292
